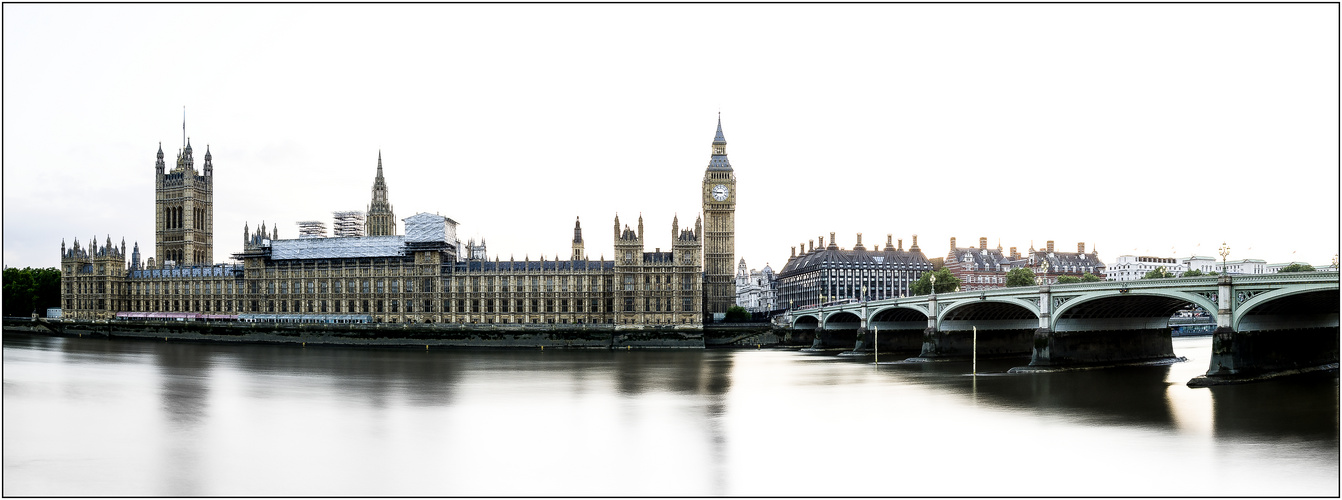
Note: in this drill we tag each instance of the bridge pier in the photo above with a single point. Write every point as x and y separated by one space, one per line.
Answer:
1100 347
862 340
1250 356
959 344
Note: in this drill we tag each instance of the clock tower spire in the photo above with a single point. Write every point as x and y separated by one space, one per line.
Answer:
719 196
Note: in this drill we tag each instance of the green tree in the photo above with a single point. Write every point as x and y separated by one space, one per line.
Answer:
1157 273
1296 268
737 314
28 289
1021 276
946 282
1090 278
1063 280
1193 273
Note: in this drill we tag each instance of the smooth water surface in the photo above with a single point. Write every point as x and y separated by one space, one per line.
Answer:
125 417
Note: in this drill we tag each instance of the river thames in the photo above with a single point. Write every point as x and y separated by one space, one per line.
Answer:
93 417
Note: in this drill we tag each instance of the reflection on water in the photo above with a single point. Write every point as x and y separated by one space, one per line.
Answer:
99 417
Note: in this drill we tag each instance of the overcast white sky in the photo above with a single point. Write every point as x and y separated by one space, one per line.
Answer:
1144 129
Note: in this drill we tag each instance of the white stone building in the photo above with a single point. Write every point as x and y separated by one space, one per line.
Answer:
1132 267
756 291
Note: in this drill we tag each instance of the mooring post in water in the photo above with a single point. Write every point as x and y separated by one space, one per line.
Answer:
876 344
975 351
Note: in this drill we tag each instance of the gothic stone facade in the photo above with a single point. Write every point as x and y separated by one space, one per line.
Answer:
420 276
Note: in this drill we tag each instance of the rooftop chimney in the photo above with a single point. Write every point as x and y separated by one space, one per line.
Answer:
1014 255
914 246
859 241
1050 246
901 244
983 243
794 251
889 244
1080 248
952 243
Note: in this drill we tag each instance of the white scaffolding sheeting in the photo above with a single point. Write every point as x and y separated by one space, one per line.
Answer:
338 248
348 223
426 227
311 229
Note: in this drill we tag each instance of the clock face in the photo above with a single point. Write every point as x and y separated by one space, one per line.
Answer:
720 192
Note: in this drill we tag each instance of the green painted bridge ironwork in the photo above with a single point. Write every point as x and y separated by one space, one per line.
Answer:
1266 324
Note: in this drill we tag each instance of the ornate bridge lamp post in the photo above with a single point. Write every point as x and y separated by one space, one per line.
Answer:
1042 278
1224 251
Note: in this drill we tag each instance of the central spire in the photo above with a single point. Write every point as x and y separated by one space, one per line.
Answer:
381 220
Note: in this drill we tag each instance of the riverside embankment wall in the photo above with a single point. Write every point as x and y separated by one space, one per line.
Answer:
381 335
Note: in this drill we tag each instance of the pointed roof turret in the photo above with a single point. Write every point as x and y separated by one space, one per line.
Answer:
719 159
577 230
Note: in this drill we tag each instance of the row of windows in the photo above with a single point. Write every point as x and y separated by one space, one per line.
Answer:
532 284
487 306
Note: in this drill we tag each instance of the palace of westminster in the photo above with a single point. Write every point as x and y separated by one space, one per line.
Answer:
424 275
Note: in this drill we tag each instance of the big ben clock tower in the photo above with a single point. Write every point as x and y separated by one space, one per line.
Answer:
719 228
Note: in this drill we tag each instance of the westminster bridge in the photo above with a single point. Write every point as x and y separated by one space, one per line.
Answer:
1266 324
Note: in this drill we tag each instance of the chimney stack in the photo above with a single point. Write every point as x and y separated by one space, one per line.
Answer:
1050 246
1014 255
859 240
952 243
1080 248
889 243
901 244
983 243
794 251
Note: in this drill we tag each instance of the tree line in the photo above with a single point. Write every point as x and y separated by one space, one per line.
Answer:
27 290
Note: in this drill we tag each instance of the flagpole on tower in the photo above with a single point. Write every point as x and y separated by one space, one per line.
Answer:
183 126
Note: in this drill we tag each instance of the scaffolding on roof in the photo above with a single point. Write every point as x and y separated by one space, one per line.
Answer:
311 229
338 248
348 223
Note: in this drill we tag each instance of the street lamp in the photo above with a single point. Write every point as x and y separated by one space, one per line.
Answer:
1224 250
933 278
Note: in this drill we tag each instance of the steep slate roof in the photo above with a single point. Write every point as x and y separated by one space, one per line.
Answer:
833 254
1057 261
980 260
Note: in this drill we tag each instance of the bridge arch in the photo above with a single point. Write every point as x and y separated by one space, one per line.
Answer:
996 313
1135 309
1310 306
841 320
898 317
806 322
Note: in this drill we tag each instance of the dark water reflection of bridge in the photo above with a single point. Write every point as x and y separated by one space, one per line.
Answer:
1301 407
